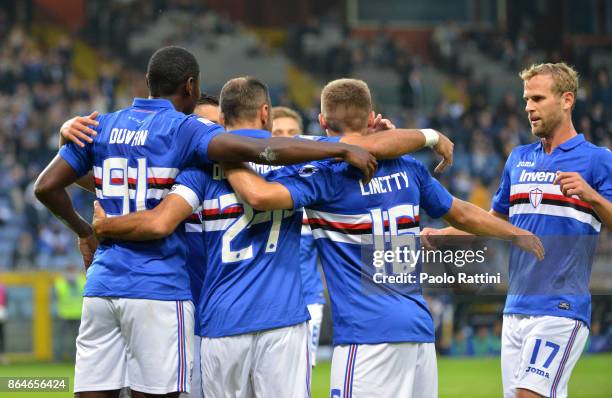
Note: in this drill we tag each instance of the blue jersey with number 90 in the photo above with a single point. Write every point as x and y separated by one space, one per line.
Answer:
135 158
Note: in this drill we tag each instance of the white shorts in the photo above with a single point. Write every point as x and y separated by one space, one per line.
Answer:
196 378
539 353
314 325
271 363
146 345
394 370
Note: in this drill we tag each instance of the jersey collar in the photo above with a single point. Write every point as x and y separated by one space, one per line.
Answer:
572 143
567 145
152 103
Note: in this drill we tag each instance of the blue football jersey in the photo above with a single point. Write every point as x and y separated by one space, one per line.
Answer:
135 158
309 260
568 227
347 218
196 259
252 281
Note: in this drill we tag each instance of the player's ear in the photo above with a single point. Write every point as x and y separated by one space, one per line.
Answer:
265 117
190 87
371 118
568 100
221 119
322 121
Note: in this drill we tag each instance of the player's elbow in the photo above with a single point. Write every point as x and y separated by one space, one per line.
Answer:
43 186
459 215
258 200
159 229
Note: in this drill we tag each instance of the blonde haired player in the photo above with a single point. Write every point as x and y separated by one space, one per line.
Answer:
560 189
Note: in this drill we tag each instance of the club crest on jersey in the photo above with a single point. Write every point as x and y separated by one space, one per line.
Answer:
535 197
307 170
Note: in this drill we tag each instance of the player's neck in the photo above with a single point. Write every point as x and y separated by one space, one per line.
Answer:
243 126
175 99
331 133
565 131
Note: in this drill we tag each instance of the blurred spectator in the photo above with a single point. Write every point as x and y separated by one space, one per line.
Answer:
462 346
3 317
69 301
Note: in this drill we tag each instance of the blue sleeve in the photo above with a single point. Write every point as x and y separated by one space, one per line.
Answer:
602 174
80 159
501 200
194 179
434 198
198 133
308 184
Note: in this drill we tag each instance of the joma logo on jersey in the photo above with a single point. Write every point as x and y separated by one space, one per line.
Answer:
537 176
535 197
524 163
539 372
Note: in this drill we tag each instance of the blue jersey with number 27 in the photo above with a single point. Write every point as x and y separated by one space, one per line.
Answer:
252 280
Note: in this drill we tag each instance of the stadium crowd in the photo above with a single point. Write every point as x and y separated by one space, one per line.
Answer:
39 89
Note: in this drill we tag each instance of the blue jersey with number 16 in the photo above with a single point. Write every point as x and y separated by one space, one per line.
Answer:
348 220
135 158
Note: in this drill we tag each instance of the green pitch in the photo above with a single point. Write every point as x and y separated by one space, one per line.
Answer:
458 378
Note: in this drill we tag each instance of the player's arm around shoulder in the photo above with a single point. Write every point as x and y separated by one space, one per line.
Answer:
254 190
156 223
390 143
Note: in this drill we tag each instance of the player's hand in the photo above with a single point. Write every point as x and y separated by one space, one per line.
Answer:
98 217
77 129
430 238
444 148
87 247
572 183
361 159
531 243
380 124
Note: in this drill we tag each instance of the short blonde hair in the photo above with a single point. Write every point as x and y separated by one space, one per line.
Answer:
346 104
283 111
565 78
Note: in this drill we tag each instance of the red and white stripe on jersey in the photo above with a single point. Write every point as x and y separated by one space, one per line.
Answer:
354 228
526 199
215 219
159 181
193 223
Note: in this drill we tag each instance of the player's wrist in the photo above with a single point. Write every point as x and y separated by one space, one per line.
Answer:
431 137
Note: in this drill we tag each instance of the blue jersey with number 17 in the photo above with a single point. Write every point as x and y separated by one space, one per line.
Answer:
347 219
135 158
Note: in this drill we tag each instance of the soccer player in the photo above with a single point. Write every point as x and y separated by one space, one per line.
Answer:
207 107
288 123
135 157
383 335
253 313
560 189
